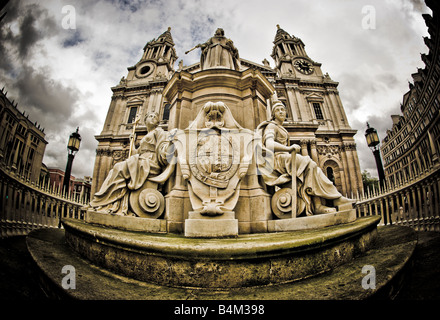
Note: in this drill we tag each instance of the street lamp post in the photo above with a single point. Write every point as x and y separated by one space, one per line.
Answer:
72 149
373 142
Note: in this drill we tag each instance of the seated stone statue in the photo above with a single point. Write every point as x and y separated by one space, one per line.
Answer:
275 167
146 163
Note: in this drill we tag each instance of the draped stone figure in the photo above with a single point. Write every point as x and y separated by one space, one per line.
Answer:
148 163
275 166
219 52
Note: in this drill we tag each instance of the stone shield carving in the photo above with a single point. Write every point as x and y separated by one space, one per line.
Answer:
214 154
216 158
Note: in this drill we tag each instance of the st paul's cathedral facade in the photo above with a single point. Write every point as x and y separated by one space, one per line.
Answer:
316 119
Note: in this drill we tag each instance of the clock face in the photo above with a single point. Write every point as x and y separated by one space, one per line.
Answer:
303 66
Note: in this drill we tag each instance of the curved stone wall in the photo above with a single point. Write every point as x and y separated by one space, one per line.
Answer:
244 261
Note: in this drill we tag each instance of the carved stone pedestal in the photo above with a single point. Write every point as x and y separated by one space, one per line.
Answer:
199 226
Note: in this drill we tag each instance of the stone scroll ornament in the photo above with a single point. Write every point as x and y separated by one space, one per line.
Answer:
214 154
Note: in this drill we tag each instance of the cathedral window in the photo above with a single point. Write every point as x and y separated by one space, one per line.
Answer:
330 174
281 49
166 112
132 114
292 49
318 111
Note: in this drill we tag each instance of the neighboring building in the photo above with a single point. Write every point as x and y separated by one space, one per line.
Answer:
22 142
316 117
82 188
78 187
57 179
412 145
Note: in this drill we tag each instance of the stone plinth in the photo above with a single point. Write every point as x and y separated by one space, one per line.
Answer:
243 261
130 223
392 254
199 226
312 222
245 93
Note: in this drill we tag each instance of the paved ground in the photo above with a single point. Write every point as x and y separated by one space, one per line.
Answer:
17 282
425 281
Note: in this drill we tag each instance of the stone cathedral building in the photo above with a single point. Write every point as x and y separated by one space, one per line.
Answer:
316 118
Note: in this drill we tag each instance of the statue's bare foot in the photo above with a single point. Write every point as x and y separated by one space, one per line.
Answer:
343 200
321 209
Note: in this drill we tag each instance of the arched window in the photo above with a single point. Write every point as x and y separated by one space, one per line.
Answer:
330 174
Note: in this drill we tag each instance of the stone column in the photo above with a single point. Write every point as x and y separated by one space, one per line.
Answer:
430 208
387 210
313 151
413 208
436 197
383 214
351 166
399 214
303 144
406 194
296 116
419 210
345 165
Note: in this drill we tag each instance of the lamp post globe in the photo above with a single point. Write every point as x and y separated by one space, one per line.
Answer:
373 143
72 148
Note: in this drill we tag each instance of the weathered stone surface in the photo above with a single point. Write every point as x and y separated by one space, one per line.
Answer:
199 226
312 222
126 222
391 256
247 260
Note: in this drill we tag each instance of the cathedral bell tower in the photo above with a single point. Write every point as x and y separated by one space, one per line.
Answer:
316 118
291 58
157 60
136 95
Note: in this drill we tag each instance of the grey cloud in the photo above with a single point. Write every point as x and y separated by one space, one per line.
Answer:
29 15
110 36
37 90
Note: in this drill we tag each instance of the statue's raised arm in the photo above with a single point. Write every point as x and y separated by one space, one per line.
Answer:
218 52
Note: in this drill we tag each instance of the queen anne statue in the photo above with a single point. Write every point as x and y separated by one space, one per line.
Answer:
218 52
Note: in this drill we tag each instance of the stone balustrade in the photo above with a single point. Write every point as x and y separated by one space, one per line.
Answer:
413 203
25 206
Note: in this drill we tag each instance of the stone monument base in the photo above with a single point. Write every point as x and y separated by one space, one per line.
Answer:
200 226
130 223
243 261
312 222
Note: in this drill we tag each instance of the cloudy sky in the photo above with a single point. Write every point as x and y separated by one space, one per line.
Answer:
62 76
